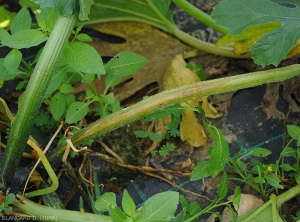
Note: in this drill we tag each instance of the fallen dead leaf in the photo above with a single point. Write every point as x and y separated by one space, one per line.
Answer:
290 92
190 128
248 202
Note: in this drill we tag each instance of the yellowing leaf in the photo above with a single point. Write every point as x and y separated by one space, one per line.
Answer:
5 116
36 178
294 51
190 128
244 41
209 110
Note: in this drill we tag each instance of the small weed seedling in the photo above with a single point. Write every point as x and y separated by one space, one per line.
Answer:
9 199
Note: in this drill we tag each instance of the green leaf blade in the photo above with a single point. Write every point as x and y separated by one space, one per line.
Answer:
4 73
117 215
294 131
125 63
223 188
219 155
259 152
106 201
128 204
58 105
76 112
201 170
25 39
13 60
160 207
83 57
3 34
274 181
21 21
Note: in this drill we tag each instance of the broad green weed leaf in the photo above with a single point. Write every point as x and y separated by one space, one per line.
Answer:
66 7
201 170
85 7
237 196
66 88
12 60
160 207
83 58
222 191
55 82
293 131
58 105
10 198
21 21
84 37
237 15
117 215
125 63
25 38
88 78
70 98
5 74
219 154
194 208
288 152
76 111
128 204
3 34
41 22
184 202
106 201
241 165
287 167
274 181
260 152
51 17
122 64
140 11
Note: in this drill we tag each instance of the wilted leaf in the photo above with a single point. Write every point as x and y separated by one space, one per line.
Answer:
36 178
247 203
2 197
6 116
178 75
